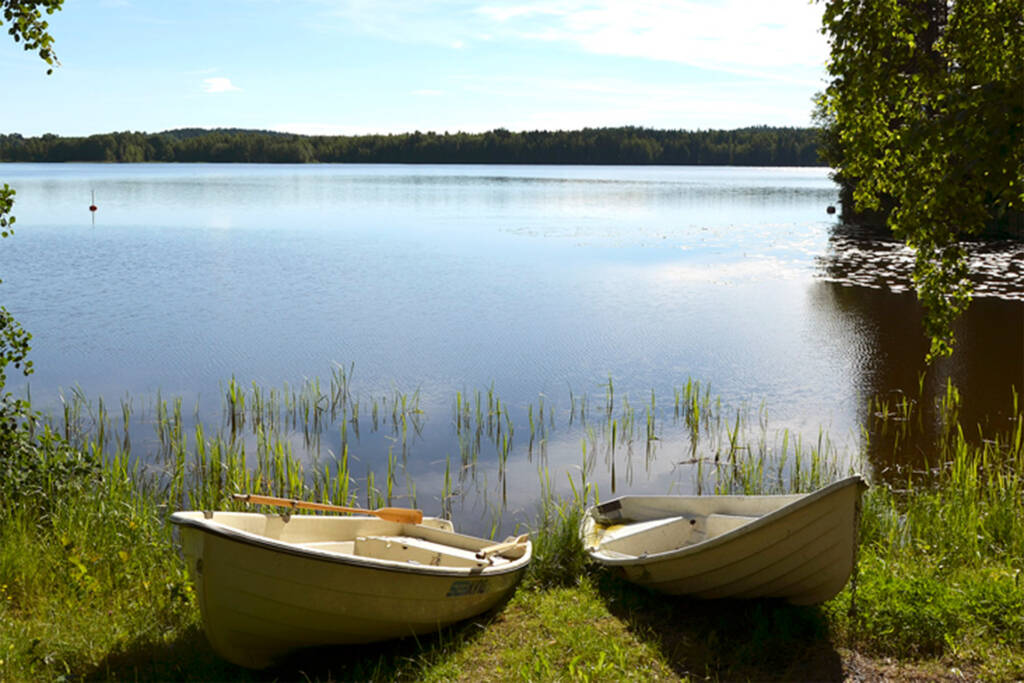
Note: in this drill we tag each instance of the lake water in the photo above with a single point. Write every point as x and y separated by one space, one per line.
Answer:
443 279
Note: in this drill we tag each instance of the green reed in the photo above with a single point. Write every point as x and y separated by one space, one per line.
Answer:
447 492
261 428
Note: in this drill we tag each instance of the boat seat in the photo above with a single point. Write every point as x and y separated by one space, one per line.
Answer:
648 538
415 551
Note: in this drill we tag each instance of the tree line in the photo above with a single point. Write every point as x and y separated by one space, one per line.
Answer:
755 146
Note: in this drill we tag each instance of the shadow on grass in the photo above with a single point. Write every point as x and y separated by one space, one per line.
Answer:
190 658
727 639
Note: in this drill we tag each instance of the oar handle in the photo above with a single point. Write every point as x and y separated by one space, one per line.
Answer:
404 515
507 544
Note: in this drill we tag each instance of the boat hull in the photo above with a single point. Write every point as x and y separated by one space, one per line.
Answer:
261 600
798 548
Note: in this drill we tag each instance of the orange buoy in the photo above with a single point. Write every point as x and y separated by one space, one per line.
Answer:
93 207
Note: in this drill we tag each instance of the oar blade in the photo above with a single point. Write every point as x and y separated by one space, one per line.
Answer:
402 515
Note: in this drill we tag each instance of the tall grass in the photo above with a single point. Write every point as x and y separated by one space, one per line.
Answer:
558 557
942 547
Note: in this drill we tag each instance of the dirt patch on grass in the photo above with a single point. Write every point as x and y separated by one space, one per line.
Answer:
863 669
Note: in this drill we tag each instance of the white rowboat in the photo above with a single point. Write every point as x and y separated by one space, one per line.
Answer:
800 548
269 584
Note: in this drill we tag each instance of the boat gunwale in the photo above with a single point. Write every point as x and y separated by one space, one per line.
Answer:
722 539
251 539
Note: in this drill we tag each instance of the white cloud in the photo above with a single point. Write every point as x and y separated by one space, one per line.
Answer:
773 39
427 93
766 39
218 84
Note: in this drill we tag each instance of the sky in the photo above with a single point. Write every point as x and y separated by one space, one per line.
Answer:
347 67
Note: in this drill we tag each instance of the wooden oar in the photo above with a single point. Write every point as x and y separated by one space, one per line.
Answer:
508 544
404 515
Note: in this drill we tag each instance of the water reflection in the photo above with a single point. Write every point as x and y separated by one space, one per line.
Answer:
867 284
863 257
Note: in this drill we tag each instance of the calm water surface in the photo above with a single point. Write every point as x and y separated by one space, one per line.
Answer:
536 280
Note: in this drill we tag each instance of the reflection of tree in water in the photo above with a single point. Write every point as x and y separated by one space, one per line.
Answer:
869 257
888 346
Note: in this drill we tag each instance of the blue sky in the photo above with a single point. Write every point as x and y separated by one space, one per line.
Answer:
380 66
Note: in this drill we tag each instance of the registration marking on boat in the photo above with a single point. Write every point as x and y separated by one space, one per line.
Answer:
463 587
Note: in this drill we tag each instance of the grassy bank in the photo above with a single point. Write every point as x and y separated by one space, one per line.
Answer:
91 585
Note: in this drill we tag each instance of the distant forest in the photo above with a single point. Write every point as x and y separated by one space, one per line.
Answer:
758 146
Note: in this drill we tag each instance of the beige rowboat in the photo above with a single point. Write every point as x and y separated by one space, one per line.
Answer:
269 584
797 547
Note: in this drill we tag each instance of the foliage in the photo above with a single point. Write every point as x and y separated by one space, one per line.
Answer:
927 125
760 146
36 474
14 341
26 24
90 585
19 458
6 204
14 348
25 21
